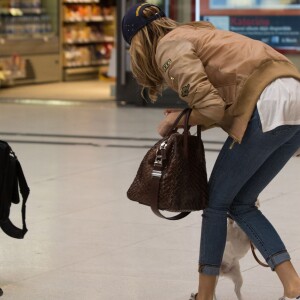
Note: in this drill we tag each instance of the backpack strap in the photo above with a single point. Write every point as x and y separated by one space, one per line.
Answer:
7 226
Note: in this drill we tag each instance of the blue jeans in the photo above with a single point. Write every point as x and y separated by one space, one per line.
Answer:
240 174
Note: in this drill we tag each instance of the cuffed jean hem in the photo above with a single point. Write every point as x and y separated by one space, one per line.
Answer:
277 259
209 270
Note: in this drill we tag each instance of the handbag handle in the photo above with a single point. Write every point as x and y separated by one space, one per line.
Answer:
186 131
175 124
187 113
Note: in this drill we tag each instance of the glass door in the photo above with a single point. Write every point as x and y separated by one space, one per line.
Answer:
128 92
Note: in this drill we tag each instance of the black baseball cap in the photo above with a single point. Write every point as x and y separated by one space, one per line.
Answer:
134 20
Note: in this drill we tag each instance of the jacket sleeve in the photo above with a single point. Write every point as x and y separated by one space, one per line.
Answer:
184 72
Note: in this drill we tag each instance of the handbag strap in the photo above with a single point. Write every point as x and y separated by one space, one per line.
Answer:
186 133
154 203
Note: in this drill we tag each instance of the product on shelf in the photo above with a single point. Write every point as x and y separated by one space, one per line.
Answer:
107 11
108 29
24 26
22 19
77 56
75 13
104 51
82 33
13 67
87 55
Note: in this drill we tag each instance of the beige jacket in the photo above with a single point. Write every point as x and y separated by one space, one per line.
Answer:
220 74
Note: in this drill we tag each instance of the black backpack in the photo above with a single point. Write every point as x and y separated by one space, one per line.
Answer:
11 178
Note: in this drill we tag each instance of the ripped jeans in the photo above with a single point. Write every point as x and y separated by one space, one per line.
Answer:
240 174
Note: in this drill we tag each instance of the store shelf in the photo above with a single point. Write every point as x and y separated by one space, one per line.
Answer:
83 72
103 62
81 2
86 42
21 11
26 46
98 19
41 37
88 30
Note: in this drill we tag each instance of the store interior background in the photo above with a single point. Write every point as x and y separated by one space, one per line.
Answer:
57 50
72 49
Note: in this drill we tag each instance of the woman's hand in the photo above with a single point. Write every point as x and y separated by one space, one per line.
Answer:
166 125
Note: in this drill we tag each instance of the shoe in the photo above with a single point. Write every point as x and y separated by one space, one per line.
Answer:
283 298
193 296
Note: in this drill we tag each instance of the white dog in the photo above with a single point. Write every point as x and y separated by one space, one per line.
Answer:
237 246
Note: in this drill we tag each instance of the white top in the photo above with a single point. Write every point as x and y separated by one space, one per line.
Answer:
279 104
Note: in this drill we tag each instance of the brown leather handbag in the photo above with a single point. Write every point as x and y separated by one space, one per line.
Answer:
172 176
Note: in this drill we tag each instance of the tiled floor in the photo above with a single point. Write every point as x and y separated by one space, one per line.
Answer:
86 90
86 241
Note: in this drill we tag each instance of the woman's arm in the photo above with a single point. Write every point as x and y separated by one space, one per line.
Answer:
184 72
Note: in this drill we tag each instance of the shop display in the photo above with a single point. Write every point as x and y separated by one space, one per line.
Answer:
24 19
88 34
24 26
28 40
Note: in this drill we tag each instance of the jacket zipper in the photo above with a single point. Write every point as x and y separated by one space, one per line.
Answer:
234 141
232 145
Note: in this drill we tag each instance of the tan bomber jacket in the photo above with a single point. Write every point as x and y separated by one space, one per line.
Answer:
220 74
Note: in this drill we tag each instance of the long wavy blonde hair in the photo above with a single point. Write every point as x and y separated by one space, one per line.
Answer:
143 49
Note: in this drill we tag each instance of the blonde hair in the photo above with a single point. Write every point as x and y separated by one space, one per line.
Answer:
143 49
